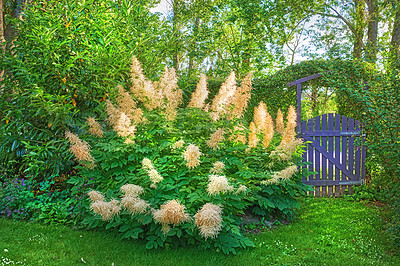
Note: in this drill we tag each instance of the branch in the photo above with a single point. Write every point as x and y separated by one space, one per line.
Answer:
353 30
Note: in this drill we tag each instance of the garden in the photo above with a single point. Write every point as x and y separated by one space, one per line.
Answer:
134 137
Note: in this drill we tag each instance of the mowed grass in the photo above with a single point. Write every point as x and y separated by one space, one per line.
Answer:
326 232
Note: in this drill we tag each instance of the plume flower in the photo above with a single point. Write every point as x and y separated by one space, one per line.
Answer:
94 127
171 212
168 85
142 89
80 149
289 134
106 210
285 150
147 165
199 96
192 156
154 176
241 98
215 138
225 93
95 196
123 126
218 184
113 113
178 144
279 122
253 139
218 168
268 130
209 220
284 174
132 190
260 114
134 204
241 189
126 104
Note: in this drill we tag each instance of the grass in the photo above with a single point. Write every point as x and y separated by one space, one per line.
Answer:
326 232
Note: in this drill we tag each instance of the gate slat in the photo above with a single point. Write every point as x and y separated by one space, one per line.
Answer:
311 155
357 158
323 158
343 153
330 150
305 154
317 157
351 153
337 153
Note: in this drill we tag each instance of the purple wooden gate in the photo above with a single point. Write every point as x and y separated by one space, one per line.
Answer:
334 151
335 154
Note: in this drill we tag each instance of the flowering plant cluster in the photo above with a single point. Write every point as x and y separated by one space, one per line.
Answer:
186 175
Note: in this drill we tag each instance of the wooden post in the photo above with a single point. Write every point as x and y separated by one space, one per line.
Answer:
298 110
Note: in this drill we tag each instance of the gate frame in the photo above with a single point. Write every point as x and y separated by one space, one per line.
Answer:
298 82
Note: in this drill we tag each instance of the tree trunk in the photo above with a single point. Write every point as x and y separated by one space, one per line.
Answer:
191 58
372 42
176 6
395 42
359 27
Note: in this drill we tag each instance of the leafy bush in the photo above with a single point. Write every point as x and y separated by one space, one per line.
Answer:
66 57
186 176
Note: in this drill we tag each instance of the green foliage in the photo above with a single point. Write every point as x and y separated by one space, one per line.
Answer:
68 56
119 163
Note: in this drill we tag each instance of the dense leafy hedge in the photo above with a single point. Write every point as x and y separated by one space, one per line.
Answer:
63 63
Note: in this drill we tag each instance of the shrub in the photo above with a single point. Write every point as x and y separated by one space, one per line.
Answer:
177 176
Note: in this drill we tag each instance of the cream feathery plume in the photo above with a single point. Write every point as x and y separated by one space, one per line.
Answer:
285 150
209 220
260 114
268 130
284 174
241 189
113 113
173 95
199 96
289 134
241 98
279 122
218 184
218 168
192 156
178 145
142 89
106 210
147 165
215 138
81 149
171 212
126 104
225 93
132 190
134 204
253 139
95 196
123 126
94 127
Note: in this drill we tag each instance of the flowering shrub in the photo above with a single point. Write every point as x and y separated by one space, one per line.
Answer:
177 176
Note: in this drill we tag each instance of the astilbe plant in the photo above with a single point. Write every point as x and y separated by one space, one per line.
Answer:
176 175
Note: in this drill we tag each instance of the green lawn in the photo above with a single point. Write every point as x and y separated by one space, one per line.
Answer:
327 231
